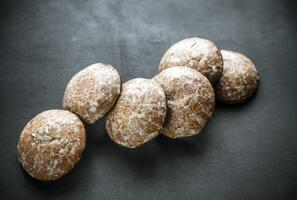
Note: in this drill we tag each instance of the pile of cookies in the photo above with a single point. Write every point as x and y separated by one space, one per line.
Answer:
178 102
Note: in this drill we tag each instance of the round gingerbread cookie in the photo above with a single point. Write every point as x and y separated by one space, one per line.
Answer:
190 101
138 114
92 92
239 80
200 54
51 144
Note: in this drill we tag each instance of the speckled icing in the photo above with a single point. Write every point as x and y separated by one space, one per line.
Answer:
51 144
200 54
92 92
139 113
190 101
239 80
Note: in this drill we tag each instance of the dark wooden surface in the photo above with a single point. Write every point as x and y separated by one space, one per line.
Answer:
247 151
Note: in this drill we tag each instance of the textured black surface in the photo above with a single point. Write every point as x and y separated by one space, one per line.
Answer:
247 151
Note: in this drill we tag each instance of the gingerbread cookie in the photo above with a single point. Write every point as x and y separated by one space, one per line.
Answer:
92 92
239 80
200 54
190 101
51 144
139 113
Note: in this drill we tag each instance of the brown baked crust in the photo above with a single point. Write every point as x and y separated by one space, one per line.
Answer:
239 80
190 101
51 144
92 92
200 54
138 114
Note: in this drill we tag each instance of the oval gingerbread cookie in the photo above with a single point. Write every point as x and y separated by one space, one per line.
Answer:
51 144
239 80
190 101
200 54
138 114
92 92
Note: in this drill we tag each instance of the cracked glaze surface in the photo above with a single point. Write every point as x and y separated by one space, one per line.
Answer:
139 113
239 80
92 92
200 54
51 144
190 101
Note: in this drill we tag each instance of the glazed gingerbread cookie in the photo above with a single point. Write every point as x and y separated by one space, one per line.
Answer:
200 54
190 101
239 80
92 92
51 144
138 115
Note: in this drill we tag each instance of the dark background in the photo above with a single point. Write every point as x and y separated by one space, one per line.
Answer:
248 151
